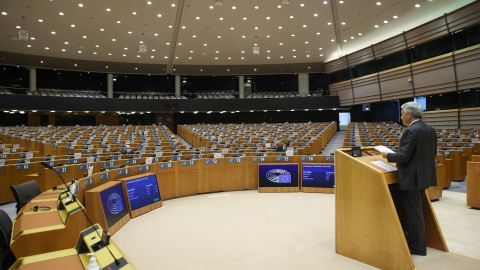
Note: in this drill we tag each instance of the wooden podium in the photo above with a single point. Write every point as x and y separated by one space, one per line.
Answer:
369 213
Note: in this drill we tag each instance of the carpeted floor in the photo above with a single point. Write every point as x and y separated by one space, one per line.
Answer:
251 230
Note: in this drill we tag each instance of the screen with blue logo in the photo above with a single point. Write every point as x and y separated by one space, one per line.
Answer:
278 175
318 175
142 191
114 204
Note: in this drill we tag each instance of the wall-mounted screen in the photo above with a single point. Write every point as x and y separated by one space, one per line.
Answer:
278 175
318 175
114 204
142 191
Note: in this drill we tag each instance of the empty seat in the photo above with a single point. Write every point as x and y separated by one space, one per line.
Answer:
24 192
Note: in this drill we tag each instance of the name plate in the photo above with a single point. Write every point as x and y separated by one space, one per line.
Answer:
330 158
144 168
389 144
60 170
23 161
166 165
197 156
156 159
88 181
235 160
5 156
307 158
116 157
468 145
104 176
259 159
108 164
123 171
83 167
22 167
211 161
54 144
131 161
13 150
137 156
457 149
189 163
72 161
282 159
175 158
447 144
69 147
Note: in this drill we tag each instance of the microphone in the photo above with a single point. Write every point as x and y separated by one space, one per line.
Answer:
117 262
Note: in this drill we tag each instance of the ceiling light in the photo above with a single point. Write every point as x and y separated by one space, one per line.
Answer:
61 14
134 13
73 25
379 3
160 15
149 3
417 5
108 9
325 2
39 20
343 23
4 13
172 5
218 3
53 33
234 7
341 2
395 16
376 26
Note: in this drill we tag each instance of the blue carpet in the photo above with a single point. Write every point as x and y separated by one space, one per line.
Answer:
458 186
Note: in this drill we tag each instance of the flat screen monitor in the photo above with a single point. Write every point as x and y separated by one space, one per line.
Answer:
114 204
142 191
318 175
278 175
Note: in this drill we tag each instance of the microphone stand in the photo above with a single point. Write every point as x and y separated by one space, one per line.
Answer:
117 262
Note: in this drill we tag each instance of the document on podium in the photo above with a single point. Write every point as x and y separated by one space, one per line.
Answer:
384 165
381 148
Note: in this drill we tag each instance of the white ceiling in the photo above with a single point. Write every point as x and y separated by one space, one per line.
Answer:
196 32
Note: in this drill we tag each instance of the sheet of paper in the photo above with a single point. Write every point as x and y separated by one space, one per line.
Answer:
382 148
384 165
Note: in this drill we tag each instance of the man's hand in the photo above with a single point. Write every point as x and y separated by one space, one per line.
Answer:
384 154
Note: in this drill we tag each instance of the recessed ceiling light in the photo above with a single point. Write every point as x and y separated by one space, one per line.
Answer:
183 27
84 36
4 13
417 5
385 21
279 6
256 28
108 9
343 23
341 2
160 15
318 33
244 18
256 7
242 58
219 36
29 45
119 22
293 35
149 3
79 51
360 34
32 38
153 50
221 18
66 42
155 34
97 46
39 20
268 36
18 27
110 54
210 7
379 3
114 39
281 57
243 36
231 28
332 40
234 7
170 26
47 48
134 13
280 27
315 15
395 16
329 23
172 5
376 26
325 2
96 53
61 13
129 32
53 32
291 17
101 29
168 43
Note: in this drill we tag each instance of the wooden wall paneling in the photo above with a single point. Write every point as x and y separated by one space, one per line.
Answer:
470 118
464 17
336 65
389 46
426 32
446 119
360 57
433 76
344 91
396 83
366 89
467 62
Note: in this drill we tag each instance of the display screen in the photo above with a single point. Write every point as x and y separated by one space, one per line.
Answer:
318 175
278 175
114 204
142 191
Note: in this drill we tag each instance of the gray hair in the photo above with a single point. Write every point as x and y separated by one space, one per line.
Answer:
413 107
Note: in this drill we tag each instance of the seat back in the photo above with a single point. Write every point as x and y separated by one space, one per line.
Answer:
6 256
24 192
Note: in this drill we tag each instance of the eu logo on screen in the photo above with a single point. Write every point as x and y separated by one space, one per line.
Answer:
285 178
114 203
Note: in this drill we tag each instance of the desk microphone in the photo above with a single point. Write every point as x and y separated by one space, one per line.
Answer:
117 262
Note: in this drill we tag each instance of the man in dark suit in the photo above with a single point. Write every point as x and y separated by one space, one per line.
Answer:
283 148
416 171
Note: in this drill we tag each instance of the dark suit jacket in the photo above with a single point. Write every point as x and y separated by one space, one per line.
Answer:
415 157
280 149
